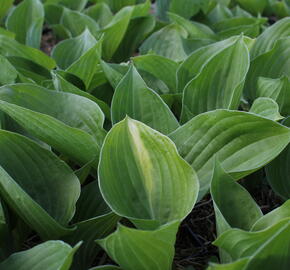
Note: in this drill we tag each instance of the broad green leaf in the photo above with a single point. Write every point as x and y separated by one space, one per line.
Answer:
69 51
234 206
160 67
90 204
272 64
132 97
76 23
51 255
273 217
101 13
114 32
10 47
253 6
237 265
8 72
219 84
88 231
267 249
278 171
118 5
243 143
75 123
184 8
143 250
74 4
114 72
278 90
267 108
86 66
194 29
193 65
266 41
26 21
137 31
218 14
4 8
162 7
61 84
167 42
135 185
29 69
39 187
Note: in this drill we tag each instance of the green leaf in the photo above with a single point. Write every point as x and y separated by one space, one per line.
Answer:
136 185
243 143
184 8
160 67
4 8
69 51
10 47
87 231
75 123
276 89
74 4
272 64
117 5
76 23
133 98
207 91
114 72
26 21
61 84
29 69
101 13
39 187
237 265
87 65
51 255
265 249
266 41
193 65
278 171
253 6
8 72
267 108
142 250
194 29
167 42
273 217
234 206
115 31
137 31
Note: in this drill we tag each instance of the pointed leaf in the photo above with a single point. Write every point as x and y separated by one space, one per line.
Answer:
207 91
70 50
51 255
267 108
142 250
39 187
243 142
272 64
75 123
133 98
139 187
26 21
266 41
277 89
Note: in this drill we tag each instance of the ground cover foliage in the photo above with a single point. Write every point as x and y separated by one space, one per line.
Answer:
144 135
